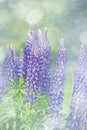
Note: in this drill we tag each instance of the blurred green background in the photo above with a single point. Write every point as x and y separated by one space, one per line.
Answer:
64 19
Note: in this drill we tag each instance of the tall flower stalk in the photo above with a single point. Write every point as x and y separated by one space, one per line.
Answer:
56 94
9 67
77 119
45 67
31 40
37 65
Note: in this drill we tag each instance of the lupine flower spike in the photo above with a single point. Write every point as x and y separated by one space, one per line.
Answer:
56 93
31 63
9 65
45 66
77 119
31 40
36 66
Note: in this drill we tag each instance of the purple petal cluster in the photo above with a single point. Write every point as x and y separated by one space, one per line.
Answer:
46 63
38 65
9 65
11 68
77 119
56 93
12 65
33 64
31 40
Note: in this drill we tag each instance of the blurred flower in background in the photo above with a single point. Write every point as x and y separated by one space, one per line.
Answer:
78 111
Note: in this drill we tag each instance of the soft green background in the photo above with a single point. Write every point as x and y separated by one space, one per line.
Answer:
64 19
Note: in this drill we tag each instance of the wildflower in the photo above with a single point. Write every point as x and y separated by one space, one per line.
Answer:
31 64
45 67
56 93
9 65
77 118
37 66
32 39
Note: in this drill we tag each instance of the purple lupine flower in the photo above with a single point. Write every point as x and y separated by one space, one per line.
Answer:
32 39
56 92
32 86
37 66
9 67
30 76
27 50
77 119
45 66
31 64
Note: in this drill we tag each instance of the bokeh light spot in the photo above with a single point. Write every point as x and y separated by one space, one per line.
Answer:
34 16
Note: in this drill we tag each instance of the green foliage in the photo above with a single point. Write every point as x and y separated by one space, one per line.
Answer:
15 114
